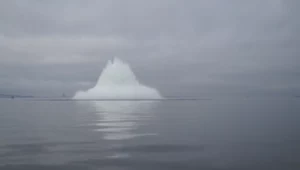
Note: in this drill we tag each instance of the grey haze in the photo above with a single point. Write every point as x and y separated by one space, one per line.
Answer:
193 47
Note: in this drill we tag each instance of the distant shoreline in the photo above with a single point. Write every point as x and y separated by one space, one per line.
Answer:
14 96
144 99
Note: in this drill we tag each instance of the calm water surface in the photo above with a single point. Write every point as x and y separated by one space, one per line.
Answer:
219 134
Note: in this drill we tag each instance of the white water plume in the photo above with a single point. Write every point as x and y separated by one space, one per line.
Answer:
117 81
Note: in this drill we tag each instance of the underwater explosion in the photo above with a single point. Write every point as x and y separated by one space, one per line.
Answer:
117 81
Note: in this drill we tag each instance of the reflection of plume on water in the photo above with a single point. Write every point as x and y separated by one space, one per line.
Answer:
118 119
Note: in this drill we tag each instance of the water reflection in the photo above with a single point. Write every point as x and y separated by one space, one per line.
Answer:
119 120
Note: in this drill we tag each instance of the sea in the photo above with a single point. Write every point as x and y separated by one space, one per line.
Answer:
228 133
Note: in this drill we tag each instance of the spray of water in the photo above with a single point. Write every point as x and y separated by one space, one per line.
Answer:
117 81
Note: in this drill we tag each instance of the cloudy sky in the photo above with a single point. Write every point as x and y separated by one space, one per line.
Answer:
191 47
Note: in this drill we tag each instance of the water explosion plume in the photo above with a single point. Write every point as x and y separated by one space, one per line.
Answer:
117 81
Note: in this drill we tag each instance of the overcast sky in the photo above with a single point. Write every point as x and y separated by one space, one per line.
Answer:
181 47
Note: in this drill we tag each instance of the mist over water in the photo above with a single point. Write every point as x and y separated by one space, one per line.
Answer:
117 81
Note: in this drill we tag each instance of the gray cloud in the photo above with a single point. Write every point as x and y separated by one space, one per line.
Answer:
181 47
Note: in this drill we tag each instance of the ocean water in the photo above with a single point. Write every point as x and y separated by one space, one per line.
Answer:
218 133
